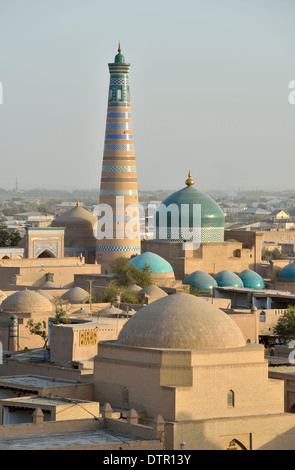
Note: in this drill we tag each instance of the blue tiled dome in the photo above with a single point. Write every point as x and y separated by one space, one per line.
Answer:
288 272
201 281
252 280
228 279
156 262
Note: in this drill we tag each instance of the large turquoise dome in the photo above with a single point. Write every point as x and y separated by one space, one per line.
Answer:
201 281
228 279
288 272
191 213
252 280
156 263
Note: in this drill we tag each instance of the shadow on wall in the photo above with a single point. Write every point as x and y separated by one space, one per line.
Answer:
192 435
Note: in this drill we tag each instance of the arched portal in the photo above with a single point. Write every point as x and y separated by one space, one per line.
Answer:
236 445
46 254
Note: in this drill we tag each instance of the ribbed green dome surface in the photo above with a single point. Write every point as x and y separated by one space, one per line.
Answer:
156 263
119 58
288 272
252 280
191 202
228 279
201 281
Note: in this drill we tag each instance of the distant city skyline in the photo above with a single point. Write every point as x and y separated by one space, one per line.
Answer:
209 92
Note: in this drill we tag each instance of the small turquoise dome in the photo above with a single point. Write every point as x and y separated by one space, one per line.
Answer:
156 263
228 279
288 272
119 58
201 281
192 211
252 280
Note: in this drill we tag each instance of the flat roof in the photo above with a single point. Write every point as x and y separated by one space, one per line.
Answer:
27 402
69 439
257 292
34 381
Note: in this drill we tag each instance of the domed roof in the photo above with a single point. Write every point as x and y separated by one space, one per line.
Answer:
133 288
252 280
201 281
153 291
156 262
77 217
26 301
76 295
2 296
81 310
43 292
287 272
110 311
48 285
119 58
181 321
228 279
186 202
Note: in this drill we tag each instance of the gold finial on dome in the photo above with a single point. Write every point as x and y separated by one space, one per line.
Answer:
78 203
189 181
119 48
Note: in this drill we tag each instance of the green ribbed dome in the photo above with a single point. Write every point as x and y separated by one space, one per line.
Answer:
201 281
119 58
188 200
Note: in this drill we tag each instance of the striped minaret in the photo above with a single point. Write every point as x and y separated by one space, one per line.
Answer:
118 189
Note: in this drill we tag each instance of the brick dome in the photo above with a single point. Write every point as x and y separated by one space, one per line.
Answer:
181 321
26 301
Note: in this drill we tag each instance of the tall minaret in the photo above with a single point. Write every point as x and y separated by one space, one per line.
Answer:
118 189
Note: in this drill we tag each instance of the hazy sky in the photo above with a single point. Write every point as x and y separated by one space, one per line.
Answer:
209 91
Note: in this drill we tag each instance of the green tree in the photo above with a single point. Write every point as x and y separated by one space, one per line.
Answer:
272 254
9 237
38 327
127 274
39 330
60 316
110 293
285 327
113 290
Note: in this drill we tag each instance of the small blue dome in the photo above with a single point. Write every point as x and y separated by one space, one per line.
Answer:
228 279
119 58
288 272
201 281
252 280
156 262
